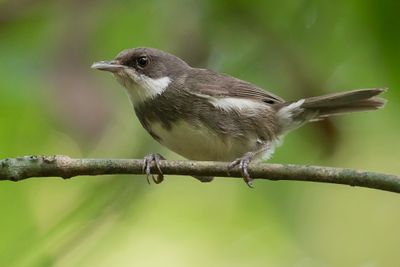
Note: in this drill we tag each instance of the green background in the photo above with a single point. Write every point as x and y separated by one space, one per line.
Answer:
51 102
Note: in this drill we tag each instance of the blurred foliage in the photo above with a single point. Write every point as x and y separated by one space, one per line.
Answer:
53 103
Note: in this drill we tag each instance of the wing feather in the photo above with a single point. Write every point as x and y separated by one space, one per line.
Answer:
207 83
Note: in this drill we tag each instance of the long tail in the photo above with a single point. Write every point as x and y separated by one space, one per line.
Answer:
345 102
320 107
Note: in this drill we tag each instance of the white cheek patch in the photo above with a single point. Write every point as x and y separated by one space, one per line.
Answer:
231 103
143 88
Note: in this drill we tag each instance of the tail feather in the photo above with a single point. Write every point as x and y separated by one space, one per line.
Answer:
293 114
344 98
372 103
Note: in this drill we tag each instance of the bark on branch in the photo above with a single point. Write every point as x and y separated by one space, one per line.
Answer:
17 169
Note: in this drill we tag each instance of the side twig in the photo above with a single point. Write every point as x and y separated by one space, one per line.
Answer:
17 169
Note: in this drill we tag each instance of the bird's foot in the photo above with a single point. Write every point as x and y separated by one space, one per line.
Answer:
243 163
147 162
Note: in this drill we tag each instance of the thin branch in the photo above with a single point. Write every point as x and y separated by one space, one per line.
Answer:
17 169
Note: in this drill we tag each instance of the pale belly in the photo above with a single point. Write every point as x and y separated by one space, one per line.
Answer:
200 143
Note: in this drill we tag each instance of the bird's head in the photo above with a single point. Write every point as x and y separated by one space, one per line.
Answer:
144 72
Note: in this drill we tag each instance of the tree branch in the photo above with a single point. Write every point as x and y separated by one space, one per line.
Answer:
17 169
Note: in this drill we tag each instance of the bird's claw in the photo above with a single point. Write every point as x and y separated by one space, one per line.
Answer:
243 163
147 161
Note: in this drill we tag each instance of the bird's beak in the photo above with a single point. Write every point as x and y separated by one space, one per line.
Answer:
111 66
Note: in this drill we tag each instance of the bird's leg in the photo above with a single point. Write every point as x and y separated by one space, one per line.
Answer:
243 163
245 160
147 161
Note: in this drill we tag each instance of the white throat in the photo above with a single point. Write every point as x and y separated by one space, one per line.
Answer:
141 88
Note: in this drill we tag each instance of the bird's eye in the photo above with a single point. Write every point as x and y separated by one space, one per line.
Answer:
142 61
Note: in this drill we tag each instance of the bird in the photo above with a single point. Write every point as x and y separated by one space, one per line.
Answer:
202 114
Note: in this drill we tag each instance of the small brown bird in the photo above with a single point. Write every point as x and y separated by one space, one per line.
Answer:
204 115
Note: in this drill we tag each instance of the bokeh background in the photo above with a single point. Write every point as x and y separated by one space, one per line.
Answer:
51 102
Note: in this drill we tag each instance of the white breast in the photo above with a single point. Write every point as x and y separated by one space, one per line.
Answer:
197 142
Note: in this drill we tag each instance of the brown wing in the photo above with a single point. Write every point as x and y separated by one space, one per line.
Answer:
213 84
